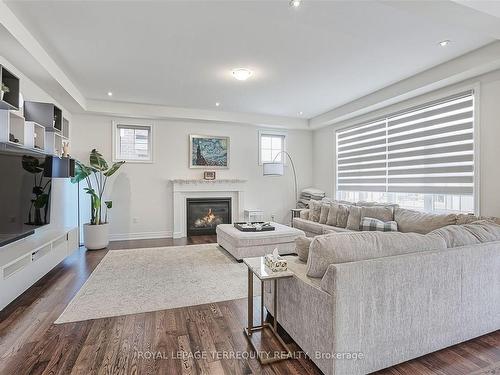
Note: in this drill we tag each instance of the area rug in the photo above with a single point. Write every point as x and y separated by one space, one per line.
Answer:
143 280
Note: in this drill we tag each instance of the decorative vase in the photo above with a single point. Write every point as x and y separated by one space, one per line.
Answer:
95 237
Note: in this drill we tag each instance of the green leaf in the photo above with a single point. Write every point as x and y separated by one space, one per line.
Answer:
41 201
31 164
96 201
81 172
113 168
97 161
109 204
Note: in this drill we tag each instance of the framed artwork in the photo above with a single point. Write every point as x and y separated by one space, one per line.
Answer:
209 175
208 151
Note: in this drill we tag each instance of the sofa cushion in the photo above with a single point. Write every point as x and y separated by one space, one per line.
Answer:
354 218
327 229
308 226
302 247
421 222
383 213
468 234
372 224
353 246
342 215
332 214
314 210
325 208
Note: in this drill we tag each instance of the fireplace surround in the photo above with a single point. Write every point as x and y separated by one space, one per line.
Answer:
204 214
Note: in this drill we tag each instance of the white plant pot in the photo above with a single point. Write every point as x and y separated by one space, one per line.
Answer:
95 237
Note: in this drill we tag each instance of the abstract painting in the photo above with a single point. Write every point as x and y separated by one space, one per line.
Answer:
208 151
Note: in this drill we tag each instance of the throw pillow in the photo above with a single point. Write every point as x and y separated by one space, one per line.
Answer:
342 215
302 247
323 215
383 213
421 222
315 210
354 218
332 215
372 224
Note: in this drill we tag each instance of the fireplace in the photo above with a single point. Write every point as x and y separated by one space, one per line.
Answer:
204 214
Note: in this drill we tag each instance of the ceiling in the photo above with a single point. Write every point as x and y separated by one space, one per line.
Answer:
180 53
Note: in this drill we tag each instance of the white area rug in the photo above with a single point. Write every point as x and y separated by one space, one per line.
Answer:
142 280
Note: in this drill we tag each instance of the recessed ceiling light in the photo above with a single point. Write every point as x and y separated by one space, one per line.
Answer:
444 43
110 93
217 104
241 74
294 3
301 113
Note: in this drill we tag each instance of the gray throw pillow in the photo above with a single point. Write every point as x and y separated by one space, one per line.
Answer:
332 215
372 224
302 247
314 210
354 218
323 215
342 215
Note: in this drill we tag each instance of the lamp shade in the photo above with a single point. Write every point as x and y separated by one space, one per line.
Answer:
273 169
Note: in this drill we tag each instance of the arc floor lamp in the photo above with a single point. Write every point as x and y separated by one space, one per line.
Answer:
278 169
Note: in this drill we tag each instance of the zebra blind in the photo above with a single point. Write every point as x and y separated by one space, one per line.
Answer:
429 149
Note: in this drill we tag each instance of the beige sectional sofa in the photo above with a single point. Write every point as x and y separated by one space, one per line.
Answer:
348 218
386 298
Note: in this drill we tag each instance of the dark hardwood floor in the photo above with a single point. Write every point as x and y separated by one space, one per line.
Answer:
145 343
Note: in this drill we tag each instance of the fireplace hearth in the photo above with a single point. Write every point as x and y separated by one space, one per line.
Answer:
204 214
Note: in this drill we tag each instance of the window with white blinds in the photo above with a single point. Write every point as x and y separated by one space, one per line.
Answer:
426 150
132 143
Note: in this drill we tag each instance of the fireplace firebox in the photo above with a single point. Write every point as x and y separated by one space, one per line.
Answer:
204 214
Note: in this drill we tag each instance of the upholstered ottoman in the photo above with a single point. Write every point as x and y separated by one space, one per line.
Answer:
252 244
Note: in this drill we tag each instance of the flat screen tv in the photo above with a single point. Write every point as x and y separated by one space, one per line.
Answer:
24 194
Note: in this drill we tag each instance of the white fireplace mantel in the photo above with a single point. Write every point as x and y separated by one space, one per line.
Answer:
186 188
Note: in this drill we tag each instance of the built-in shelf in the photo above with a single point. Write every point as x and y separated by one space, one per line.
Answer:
54 143
46 114
10 99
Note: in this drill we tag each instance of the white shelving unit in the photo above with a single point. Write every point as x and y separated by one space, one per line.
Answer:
54 143
12 123
35 136
65 128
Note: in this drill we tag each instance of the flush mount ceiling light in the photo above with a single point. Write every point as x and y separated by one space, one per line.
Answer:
294 3
301 113
217 104
444 43
110 93
241 74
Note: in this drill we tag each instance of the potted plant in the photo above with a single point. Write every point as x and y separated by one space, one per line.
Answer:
3 89
96 233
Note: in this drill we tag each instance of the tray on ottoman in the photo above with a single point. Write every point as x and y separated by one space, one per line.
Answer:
242 226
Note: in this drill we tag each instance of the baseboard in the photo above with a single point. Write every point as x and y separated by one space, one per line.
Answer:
140 236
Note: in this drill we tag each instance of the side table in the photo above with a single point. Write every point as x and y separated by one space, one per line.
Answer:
257 267
295 213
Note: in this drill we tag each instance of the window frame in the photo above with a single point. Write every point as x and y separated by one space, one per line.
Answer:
115 140
275 133
411 105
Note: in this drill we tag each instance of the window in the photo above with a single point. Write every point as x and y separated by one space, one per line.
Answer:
271 144
421 159
133 143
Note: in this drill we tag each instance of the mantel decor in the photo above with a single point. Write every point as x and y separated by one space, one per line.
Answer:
208 151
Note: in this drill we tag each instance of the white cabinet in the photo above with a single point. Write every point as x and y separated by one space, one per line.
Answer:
24 262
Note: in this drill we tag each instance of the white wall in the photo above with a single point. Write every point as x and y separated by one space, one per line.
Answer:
489 139
143 192
64 194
